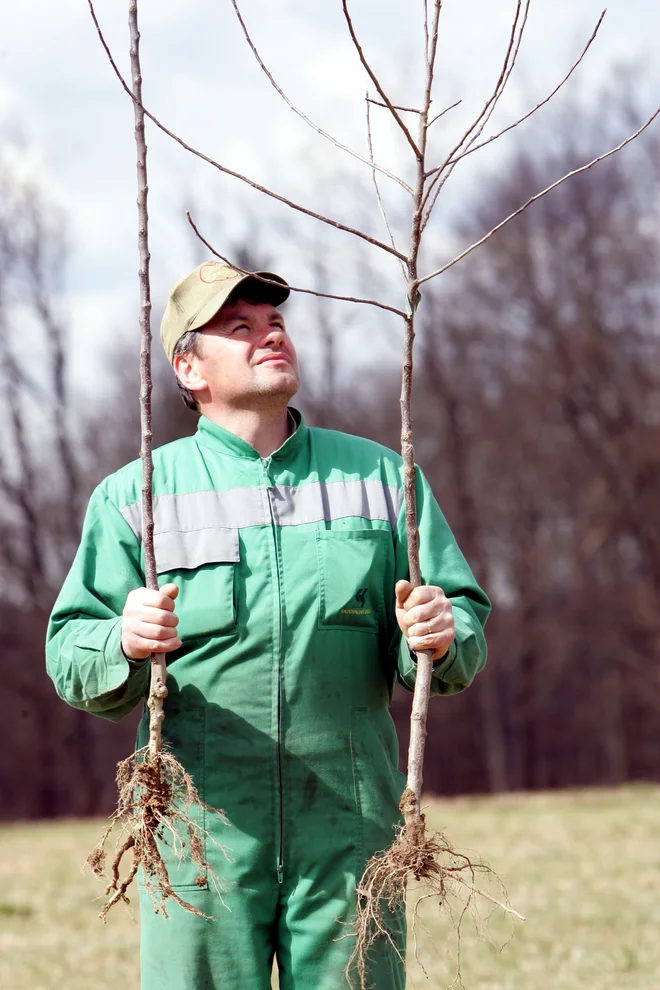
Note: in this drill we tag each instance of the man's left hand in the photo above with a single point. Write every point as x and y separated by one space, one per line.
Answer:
425 617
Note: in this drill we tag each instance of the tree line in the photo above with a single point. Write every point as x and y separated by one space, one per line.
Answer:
537 414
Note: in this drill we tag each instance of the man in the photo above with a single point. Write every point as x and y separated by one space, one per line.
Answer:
282 555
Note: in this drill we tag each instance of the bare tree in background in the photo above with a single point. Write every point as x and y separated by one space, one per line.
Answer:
557 390
40 512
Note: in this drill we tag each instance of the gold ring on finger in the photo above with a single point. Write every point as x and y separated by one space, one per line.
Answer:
429 627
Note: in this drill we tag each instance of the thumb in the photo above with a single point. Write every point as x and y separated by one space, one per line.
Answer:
402 590
171 590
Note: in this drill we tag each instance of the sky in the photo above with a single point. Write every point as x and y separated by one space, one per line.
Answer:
60 101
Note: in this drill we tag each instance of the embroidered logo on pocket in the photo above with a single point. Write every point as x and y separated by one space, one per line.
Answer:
361 600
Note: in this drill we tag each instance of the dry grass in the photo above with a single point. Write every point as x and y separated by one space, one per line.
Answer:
584 867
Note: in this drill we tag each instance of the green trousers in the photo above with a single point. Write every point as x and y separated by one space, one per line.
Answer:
304 926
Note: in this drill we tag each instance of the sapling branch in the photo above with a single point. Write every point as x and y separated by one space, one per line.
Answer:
451 106
294 288
441 173
477 126
379 103
379 198
537 106
540 195
228 171
303 116
375 80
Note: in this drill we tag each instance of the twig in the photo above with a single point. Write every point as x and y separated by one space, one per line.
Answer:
228 171
477 126
538 106
443 112
379 198
539 195
294 288
378 103
512 57
425 5
375 80
303 116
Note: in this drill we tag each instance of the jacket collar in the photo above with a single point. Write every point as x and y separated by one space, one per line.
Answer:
225 442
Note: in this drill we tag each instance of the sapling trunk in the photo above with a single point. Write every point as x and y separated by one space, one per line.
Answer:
157 796
414 855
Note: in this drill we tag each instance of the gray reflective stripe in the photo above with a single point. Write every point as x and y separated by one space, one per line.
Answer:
192 549
233 509
325 501
238 508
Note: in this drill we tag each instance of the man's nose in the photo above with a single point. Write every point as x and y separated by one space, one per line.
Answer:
273 336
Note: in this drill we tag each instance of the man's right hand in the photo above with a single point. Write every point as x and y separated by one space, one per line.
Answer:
149 623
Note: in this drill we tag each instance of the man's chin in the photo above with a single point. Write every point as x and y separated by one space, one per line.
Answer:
281 380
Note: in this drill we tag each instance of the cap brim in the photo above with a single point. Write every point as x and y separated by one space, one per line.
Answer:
274 291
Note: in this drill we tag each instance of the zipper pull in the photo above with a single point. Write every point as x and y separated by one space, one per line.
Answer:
280 873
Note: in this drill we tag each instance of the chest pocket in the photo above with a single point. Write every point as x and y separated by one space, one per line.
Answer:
202 563
351 573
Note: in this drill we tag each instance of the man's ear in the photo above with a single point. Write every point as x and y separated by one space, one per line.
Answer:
186 369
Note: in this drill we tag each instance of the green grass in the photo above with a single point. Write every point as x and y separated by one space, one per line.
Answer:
583 867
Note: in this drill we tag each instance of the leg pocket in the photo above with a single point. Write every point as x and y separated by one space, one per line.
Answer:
378 786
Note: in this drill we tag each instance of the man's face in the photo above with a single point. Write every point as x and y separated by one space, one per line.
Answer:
246 355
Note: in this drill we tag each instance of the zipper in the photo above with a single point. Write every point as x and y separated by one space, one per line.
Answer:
280 851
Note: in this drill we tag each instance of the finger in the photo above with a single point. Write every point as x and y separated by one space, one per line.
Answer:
171 590
437 644
422 594
151 598
438 627
134 613
166 646
138 648
402 589
150 631
156 616
435 609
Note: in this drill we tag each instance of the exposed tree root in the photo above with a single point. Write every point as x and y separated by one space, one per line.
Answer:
438 871
157 798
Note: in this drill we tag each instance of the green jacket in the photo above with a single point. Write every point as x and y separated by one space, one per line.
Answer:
278 698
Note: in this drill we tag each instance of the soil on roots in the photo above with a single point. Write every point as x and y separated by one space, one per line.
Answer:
157 799
437 871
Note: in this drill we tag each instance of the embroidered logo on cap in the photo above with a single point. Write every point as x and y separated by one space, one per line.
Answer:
214 272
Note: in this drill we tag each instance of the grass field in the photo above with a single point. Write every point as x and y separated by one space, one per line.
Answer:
583 867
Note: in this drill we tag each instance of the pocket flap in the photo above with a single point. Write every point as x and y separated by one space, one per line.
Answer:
177 550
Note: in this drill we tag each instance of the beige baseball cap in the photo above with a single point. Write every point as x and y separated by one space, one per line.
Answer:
197 298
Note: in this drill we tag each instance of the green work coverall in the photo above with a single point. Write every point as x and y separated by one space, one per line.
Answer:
279 696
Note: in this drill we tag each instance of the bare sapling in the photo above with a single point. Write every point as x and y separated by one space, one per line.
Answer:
418 860
157 797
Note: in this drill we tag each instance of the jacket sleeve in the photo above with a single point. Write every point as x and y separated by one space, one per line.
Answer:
442 564
84 657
